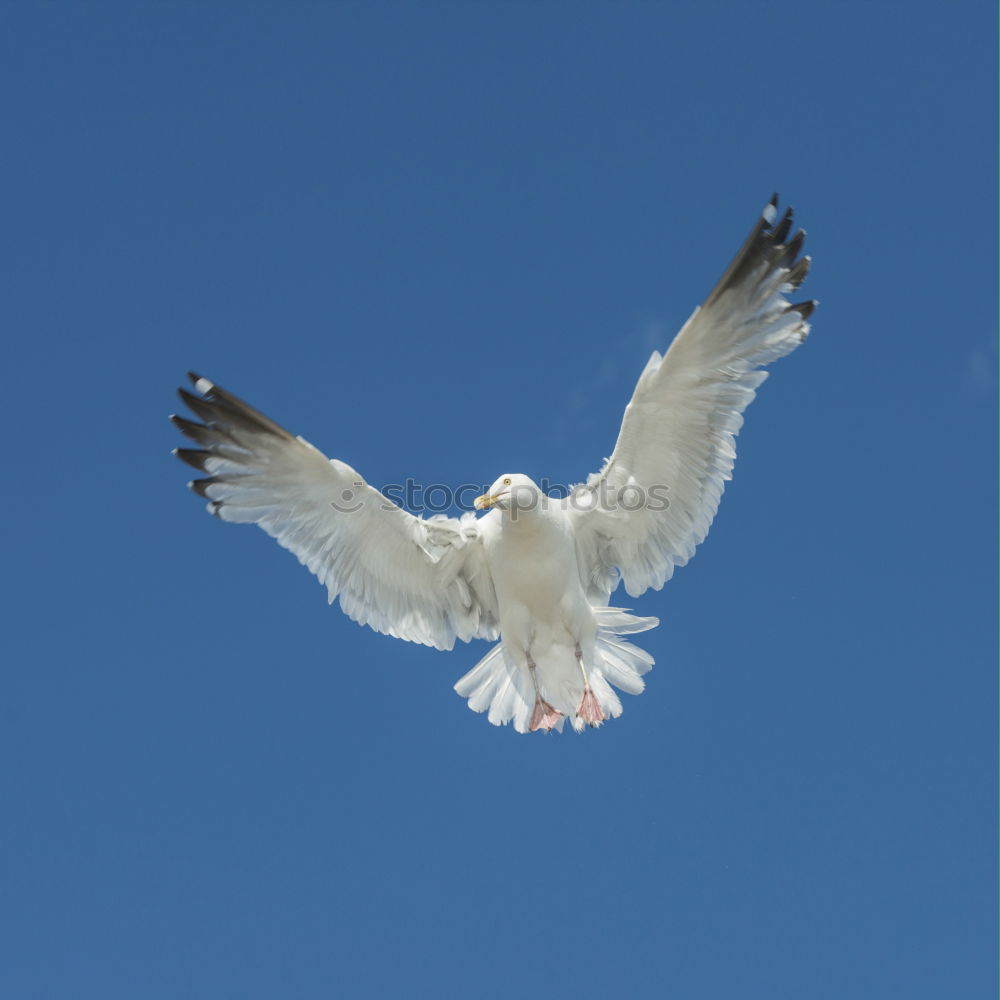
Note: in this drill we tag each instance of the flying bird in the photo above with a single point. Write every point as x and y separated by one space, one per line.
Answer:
535 572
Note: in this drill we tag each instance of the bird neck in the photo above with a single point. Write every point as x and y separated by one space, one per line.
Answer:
524 519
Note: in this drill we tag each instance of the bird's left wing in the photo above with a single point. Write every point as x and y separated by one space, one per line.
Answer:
426 581
654 500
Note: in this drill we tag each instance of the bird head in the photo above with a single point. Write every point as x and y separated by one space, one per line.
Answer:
511 491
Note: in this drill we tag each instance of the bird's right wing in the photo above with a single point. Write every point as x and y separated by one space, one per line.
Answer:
654 500
426 581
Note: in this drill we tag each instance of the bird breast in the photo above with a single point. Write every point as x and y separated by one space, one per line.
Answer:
534 564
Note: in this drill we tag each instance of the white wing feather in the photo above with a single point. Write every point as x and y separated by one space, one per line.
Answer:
679 428
424 581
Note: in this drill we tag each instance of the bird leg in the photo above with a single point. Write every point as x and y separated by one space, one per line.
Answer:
543 716
590 708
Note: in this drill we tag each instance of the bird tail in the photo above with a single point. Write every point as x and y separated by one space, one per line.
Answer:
498 684
503 687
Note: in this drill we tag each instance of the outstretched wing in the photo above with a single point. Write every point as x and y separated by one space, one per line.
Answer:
424 581
654 500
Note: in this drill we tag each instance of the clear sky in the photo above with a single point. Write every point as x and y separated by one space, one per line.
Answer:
440 241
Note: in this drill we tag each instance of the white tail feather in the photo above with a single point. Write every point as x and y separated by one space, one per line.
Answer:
503 688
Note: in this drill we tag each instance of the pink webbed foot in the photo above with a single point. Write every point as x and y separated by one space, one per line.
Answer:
544 716
590 708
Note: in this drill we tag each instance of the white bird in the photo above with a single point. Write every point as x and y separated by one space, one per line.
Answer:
535 572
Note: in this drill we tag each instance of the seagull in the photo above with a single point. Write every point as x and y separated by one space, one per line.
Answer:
535 573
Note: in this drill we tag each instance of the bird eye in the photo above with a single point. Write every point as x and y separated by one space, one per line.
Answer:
506 482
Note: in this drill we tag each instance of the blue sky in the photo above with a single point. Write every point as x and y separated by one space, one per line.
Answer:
367 219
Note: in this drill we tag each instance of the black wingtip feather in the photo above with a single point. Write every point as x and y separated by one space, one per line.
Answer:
199 406
798 272
804 309
780 232
211 438
765 248
194 457
201 485
187 427
219 407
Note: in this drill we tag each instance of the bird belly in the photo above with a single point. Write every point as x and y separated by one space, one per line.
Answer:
541 600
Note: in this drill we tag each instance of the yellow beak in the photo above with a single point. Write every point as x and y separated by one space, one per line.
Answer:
484 502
